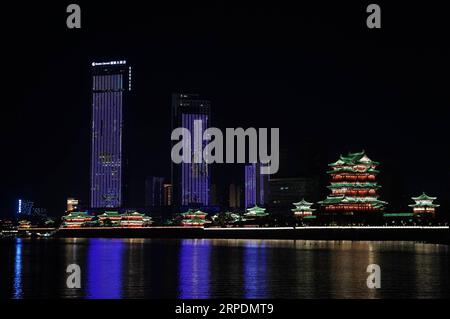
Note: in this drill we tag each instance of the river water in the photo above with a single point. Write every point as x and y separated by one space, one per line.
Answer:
221 268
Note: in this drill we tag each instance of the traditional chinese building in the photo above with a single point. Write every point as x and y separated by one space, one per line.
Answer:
303 210
76 219
194 218
255 212
227 218
110 218
24 224
353 187
134 220
424 206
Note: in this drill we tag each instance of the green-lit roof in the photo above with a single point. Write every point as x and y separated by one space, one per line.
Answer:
303 202
133 214
351 170
310 217
110 213
351 200
192 212
303 209
194 220
354 185
256 211
398 215
424 197
77 214
359 158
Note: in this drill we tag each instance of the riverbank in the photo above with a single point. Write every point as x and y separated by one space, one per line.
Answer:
411 233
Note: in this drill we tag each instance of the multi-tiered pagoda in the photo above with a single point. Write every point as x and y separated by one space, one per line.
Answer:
194 218
76 220
255 212
424 206
134 220
303 210
353 187
110 218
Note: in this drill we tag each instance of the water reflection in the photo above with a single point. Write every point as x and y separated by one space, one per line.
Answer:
18 270
105 268
255 264
193 268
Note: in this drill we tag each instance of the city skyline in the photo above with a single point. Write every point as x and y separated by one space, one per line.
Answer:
328 97
126 84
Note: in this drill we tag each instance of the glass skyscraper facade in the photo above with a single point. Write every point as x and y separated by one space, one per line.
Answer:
111 82
256 185
191 181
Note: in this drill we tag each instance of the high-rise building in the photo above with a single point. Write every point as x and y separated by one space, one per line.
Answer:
191 181
285 191
154 191
256 185
111 83
168 194
72 204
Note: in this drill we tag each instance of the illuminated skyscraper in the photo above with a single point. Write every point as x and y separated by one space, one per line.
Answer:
256 185
191 181
111 83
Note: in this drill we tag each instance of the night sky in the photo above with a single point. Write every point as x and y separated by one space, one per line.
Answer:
330 84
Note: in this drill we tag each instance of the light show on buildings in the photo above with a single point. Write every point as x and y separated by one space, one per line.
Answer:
110 86
209 160
191 181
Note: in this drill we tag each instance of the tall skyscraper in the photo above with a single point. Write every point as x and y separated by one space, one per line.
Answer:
154 191
256 185
111 83
191 181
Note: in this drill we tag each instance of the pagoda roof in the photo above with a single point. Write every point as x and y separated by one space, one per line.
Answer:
192 212
424 197
424 205
303 202
352 170
133 214
256 210
77 214
305 209
351 200
354 185
354 159
110 213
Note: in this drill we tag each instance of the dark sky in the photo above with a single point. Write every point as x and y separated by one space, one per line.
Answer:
315 71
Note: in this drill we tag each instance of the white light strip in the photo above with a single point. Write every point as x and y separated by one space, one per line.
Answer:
332 227
283 228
